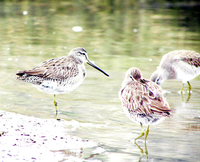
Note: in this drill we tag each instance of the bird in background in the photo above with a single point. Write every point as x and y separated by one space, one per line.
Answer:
142 100
59 75
181 65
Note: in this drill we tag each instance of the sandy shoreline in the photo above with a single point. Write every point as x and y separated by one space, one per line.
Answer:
34 139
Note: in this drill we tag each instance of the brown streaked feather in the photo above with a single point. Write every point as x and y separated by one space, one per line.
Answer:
195 61
58 68
190 57
140 100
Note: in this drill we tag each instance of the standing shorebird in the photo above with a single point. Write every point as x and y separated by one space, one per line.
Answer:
181 65
59 75
142 100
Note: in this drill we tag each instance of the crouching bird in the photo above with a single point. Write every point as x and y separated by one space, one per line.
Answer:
142 100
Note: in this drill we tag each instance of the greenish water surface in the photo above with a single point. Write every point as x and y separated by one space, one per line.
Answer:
116 38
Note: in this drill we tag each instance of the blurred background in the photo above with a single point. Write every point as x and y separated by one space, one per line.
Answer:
117 34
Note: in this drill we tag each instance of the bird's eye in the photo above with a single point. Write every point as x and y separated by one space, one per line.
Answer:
131 77
82 53
157 80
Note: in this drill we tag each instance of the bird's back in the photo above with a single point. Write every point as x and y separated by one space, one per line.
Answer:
189 57
58 75
144 102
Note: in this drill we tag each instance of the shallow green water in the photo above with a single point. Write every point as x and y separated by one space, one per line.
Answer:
116 39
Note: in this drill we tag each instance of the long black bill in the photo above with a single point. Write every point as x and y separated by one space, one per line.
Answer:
96 67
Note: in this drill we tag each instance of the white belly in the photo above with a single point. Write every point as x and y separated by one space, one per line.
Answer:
60 86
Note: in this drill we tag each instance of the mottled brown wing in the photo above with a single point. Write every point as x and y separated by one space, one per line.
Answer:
58 68
140 98
191 57
159 103
132 97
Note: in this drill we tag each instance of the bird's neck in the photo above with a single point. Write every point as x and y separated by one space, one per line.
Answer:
77 60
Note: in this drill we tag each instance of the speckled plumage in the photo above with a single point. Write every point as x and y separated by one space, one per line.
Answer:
59 75
181 65
142 100
55 76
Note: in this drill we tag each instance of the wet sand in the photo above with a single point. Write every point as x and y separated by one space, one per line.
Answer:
34 139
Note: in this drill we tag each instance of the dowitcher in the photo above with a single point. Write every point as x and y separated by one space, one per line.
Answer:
181 65
142 100
59 75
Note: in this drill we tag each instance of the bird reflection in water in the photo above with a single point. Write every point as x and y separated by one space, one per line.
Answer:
143 102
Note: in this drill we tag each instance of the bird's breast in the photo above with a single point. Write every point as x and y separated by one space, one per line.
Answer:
57 86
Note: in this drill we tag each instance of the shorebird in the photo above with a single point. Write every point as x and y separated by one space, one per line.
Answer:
181 65
59 75
142 100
